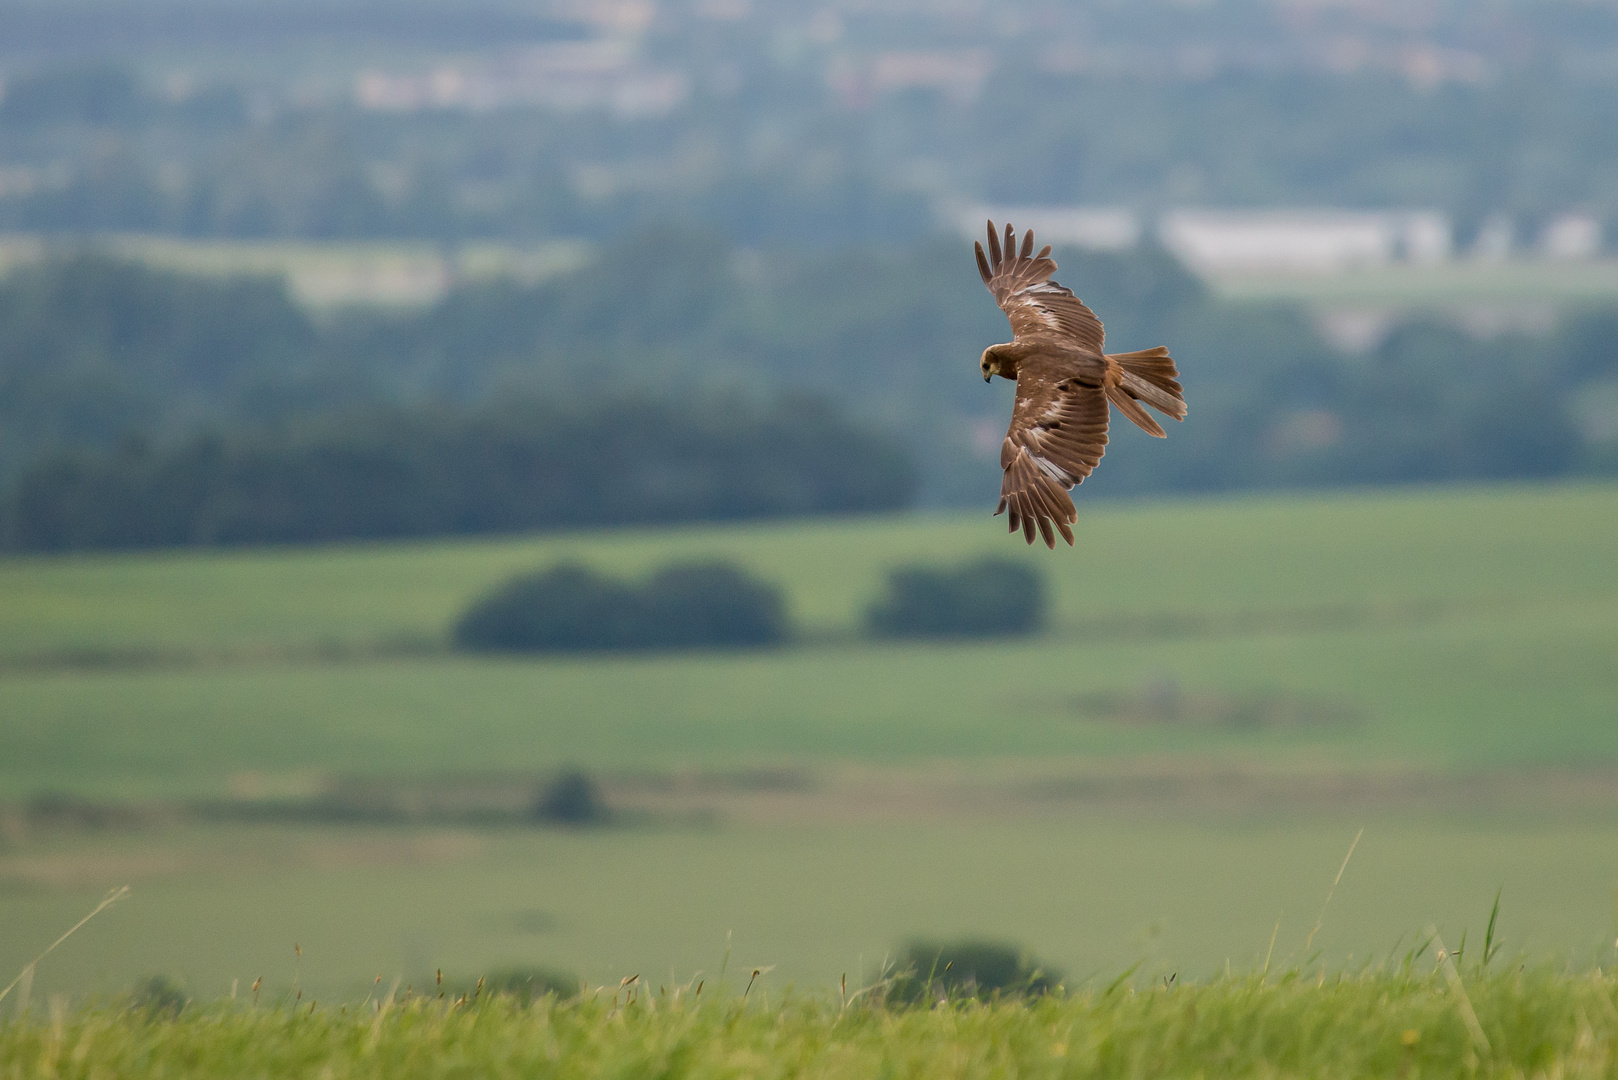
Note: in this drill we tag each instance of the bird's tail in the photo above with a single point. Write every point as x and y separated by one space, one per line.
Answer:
1148 376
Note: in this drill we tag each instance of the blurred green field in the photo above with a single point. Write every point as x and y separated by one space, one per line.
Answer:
1449 633
1092 895
1352 556
1464 629
1524 686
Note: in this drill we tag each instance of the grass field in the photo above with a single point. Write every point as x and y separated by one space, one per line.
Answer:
1091 894
1350 555
1458 629
1406 1021
1446 659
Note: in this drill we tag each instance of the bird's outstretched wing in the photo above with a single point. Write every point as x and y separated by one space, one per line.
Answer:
1039 308
1058 434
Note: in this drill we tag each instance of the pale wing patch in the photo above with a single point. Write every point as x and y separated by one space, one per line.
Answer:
1043 313
1053 470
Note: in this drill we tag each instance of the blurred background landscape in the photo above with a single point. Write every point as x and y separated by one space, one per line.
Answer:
347 347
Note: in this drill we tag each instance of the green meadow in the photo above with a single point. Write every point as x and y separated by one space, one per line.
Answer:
1353 553
1090 893
1437 667
1458 629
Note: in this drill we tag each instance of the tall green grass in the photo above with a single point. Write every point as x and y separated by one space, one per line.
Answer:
1397 1022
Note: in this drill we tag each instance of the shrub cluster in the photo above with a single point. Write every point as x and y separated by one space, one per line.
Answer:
571 798
574 608
523 985
982 969
987 598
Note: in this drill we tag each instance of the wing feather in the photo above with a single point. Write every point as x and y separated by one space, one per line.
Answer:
1131 408
1057 436
1039 308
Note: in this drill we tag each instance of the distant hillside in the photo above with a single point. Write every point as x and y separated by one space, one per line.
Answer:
115 370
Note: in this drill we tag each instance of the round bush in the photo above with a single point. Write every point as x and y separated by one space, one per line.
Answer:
566 608
713 603
928 971
988 598
572 608
570 799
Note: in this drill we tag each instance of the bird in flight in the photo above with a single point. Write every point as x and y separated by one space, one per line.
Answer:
1064 382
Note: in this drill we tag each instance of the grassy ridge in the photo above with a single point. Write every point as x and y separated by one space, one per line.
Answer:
1393 1023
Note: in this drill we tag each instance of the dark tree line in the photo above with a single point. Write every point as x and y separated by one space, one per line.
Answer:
987 598
518 466
92 348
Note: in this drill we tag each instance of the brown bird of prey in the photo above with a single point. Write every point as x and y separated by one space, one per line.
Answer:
1064 382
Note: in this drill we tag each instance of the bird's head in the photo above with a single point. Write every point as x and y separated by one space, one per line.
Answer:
996 363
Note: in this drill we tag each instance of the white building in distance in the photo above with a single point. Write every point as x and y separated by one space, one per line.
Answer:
1304 241
1323 241
1571 236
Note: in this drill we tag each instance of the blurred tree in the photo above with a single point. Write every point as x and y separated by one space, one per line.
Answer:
930 971
571 608
480 412
427 472
97 94
567 608
988 598
159 996
713 603
571 798
523 984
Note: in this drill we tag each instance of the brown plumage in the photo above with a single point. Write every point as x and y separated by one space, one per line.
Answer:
1064 383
